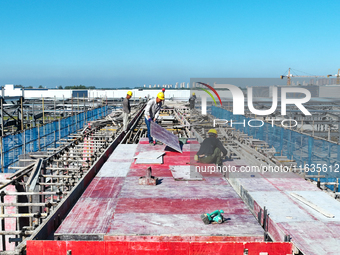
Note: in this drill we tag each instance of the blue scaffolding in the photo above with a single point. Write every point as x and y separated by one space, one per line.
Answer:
43 137
302 148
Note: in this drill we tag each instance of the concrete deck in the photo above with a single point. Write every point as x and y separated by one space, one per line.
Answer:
310 231
115 208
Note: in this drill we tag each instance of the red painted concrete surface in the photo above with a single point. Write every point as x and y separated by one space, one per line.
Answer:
117 208
150 248
165 219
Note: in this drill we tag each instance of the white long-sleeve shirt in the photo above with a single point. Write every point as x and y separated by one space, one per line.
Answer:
152 109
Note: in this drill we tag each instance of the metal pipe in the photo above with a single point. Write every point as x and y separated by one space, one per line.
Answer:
63 107
2 211
26 204
78 101
31 193
21 233
52 184
22 114
2 154
38 136
59 168
24 142
54 107
43 111
2 113
23 215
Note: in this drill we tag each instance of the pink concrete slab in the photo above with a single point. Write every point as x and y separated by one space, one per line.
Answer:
176 160
215 174
276 232
144 141
196 163
216 181
205 181
176 154
88 216
166 162
191 147
256 184
123 153
170 182
104 187
292 184
192 142
182 206
119 159
156 171
279 174
127 224
179 190
334 227
313 238
148 147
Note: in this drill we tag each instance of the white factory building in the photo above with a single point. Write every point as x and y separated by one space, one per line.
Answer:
10 91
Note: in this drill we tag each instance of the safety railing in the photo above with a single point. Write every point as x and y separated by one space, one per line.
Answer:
43 137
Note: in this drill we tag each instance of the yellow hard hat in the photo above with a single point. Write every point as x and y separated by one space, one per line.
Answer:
160 95
213 131
193 93
129 93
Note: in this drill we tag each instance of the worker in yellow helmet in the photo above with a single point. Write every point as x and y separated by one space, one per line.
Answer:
211 149
151 112
192 100
126 109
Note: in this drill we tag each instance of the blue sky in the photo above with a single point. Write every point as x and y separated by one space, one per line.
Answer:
131 43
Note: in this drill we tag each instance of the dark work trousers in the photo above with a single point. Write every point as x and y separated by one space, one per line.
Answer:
214 158
149 132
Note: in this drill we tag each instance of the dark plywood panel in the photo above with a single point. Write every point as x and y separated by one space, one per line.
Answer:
166 137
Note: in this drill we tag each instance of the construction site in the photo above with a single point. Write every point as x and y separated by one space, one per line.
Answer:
75 182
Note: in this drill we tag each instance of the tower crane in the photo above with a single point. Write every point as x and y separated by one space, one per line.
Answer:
289 76
337 75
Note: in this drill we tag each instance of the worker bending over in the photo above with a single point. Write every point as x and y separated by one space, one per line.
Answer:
126 109
152 112
210 150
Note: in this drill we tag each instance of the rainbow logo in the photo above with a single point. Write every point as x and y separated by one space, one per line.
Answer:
213 90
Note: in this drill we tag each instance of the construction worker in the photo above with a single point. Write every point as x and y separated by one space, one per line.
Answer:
163 90
126 109
210 150
152 112
192 100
